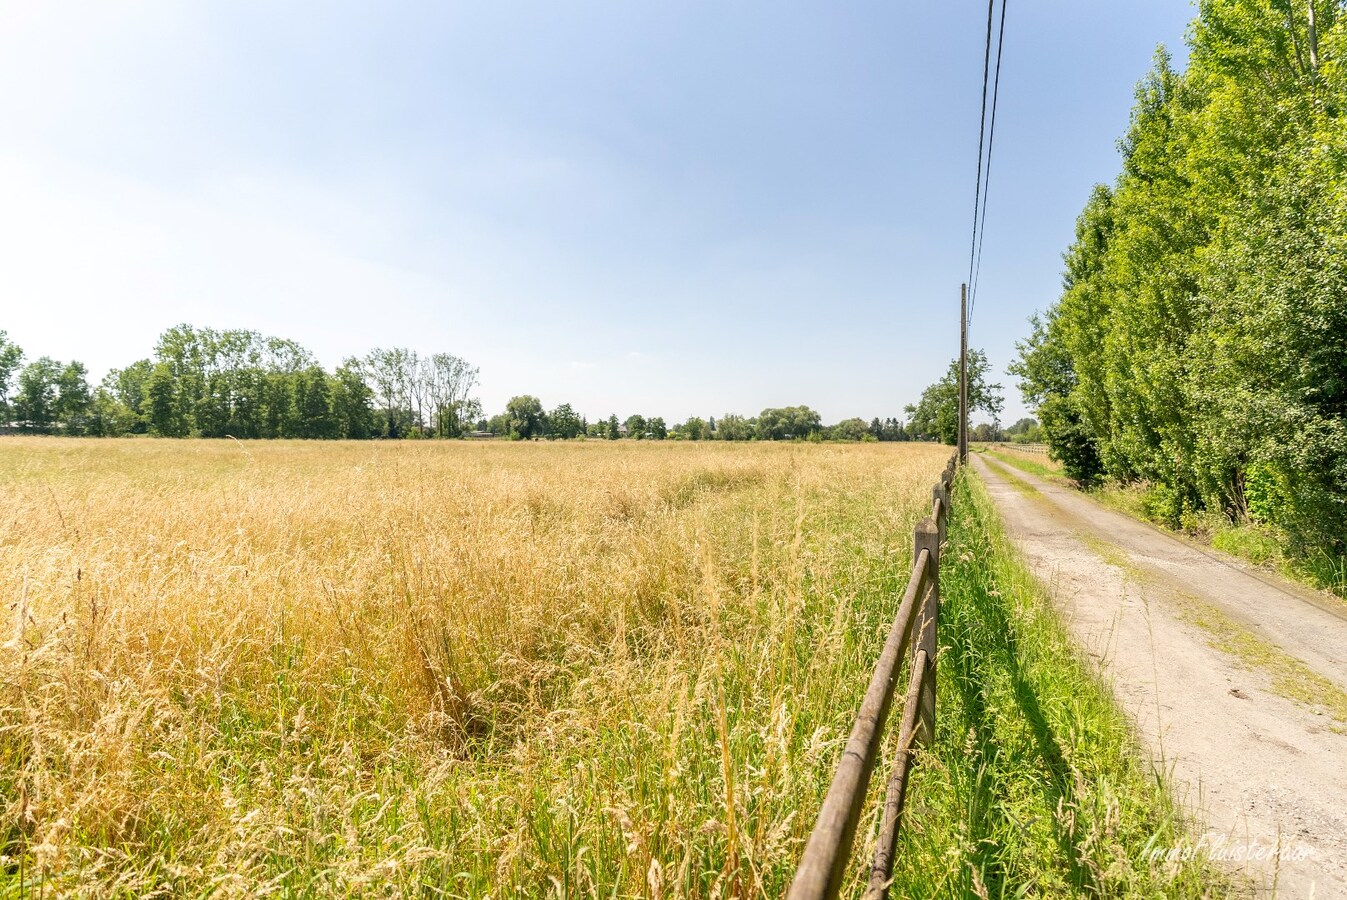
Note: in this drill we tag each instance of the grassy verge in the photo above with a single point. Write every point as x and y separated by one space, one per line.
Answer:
1262 547
1250 542
1034 786
1032 463
1289 677
1256 544
1018 484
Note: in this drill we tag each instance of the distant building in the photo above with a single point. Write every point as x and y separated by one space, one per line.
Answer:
481 435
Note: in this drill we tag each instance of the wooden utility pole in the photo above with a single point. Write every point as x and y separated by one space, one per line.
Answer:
963 375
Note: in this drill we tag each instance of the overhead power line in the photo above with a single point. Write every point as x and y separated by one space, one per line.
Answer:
987 128
982 127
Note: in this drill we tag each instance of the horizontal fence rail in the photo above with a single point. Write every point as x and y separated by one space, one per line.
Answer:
1023 448
826 855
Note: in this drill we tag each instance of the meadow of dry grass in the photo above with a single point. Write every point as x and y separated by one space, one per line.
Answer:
440 668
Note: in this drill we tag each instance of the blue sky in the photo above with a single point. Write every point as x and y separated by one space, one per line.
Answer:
667 208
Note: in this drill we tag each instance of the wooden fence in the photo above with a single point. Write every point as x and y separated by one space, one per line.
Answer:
826 855
1022 448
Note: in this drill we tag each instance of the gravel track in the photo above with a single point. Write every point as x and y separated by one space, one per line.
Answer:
1257 771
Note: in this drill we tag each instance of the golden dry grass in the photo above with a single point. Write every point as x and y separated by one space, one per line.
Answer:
440 669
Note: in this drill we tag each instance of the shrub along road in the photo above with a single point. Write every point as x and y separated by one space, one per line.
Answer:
1237 681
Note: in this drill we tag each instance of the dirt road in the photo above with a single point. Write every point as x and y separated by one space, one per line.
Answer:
1236 680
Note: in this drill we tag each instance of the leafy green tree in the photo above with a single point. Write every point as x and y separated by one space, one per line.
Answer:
277 405
985 432
312 415
446 381
243 384
635 427
127 388
695 429
936 415
526 417
732 427
851 430
108 416
656 428
164 403
1200 340
182 352
893 430
35 402
614 430
469 414
352 404
1049 384
11 357
786 423
565 422
389 373
73 398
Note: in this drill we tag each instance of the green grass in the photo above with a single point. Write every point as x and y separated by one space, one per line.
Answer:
1322 570
1289 677
1035 785
1046 469
1127 499
1259 546
1019 485
1256 544
1247 542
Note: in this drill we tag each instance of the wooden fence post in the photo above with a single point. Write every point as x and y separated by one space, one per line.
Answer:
822 866
939 508
962 452
928 537
881 868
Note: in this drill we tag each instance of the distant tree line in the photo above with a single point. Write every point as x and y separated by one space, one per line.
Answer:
201 382
1024 431
207 383
1199 345
525 418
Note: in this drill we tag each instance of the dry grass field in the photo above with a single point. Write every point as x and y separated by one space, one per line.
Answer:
441 669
